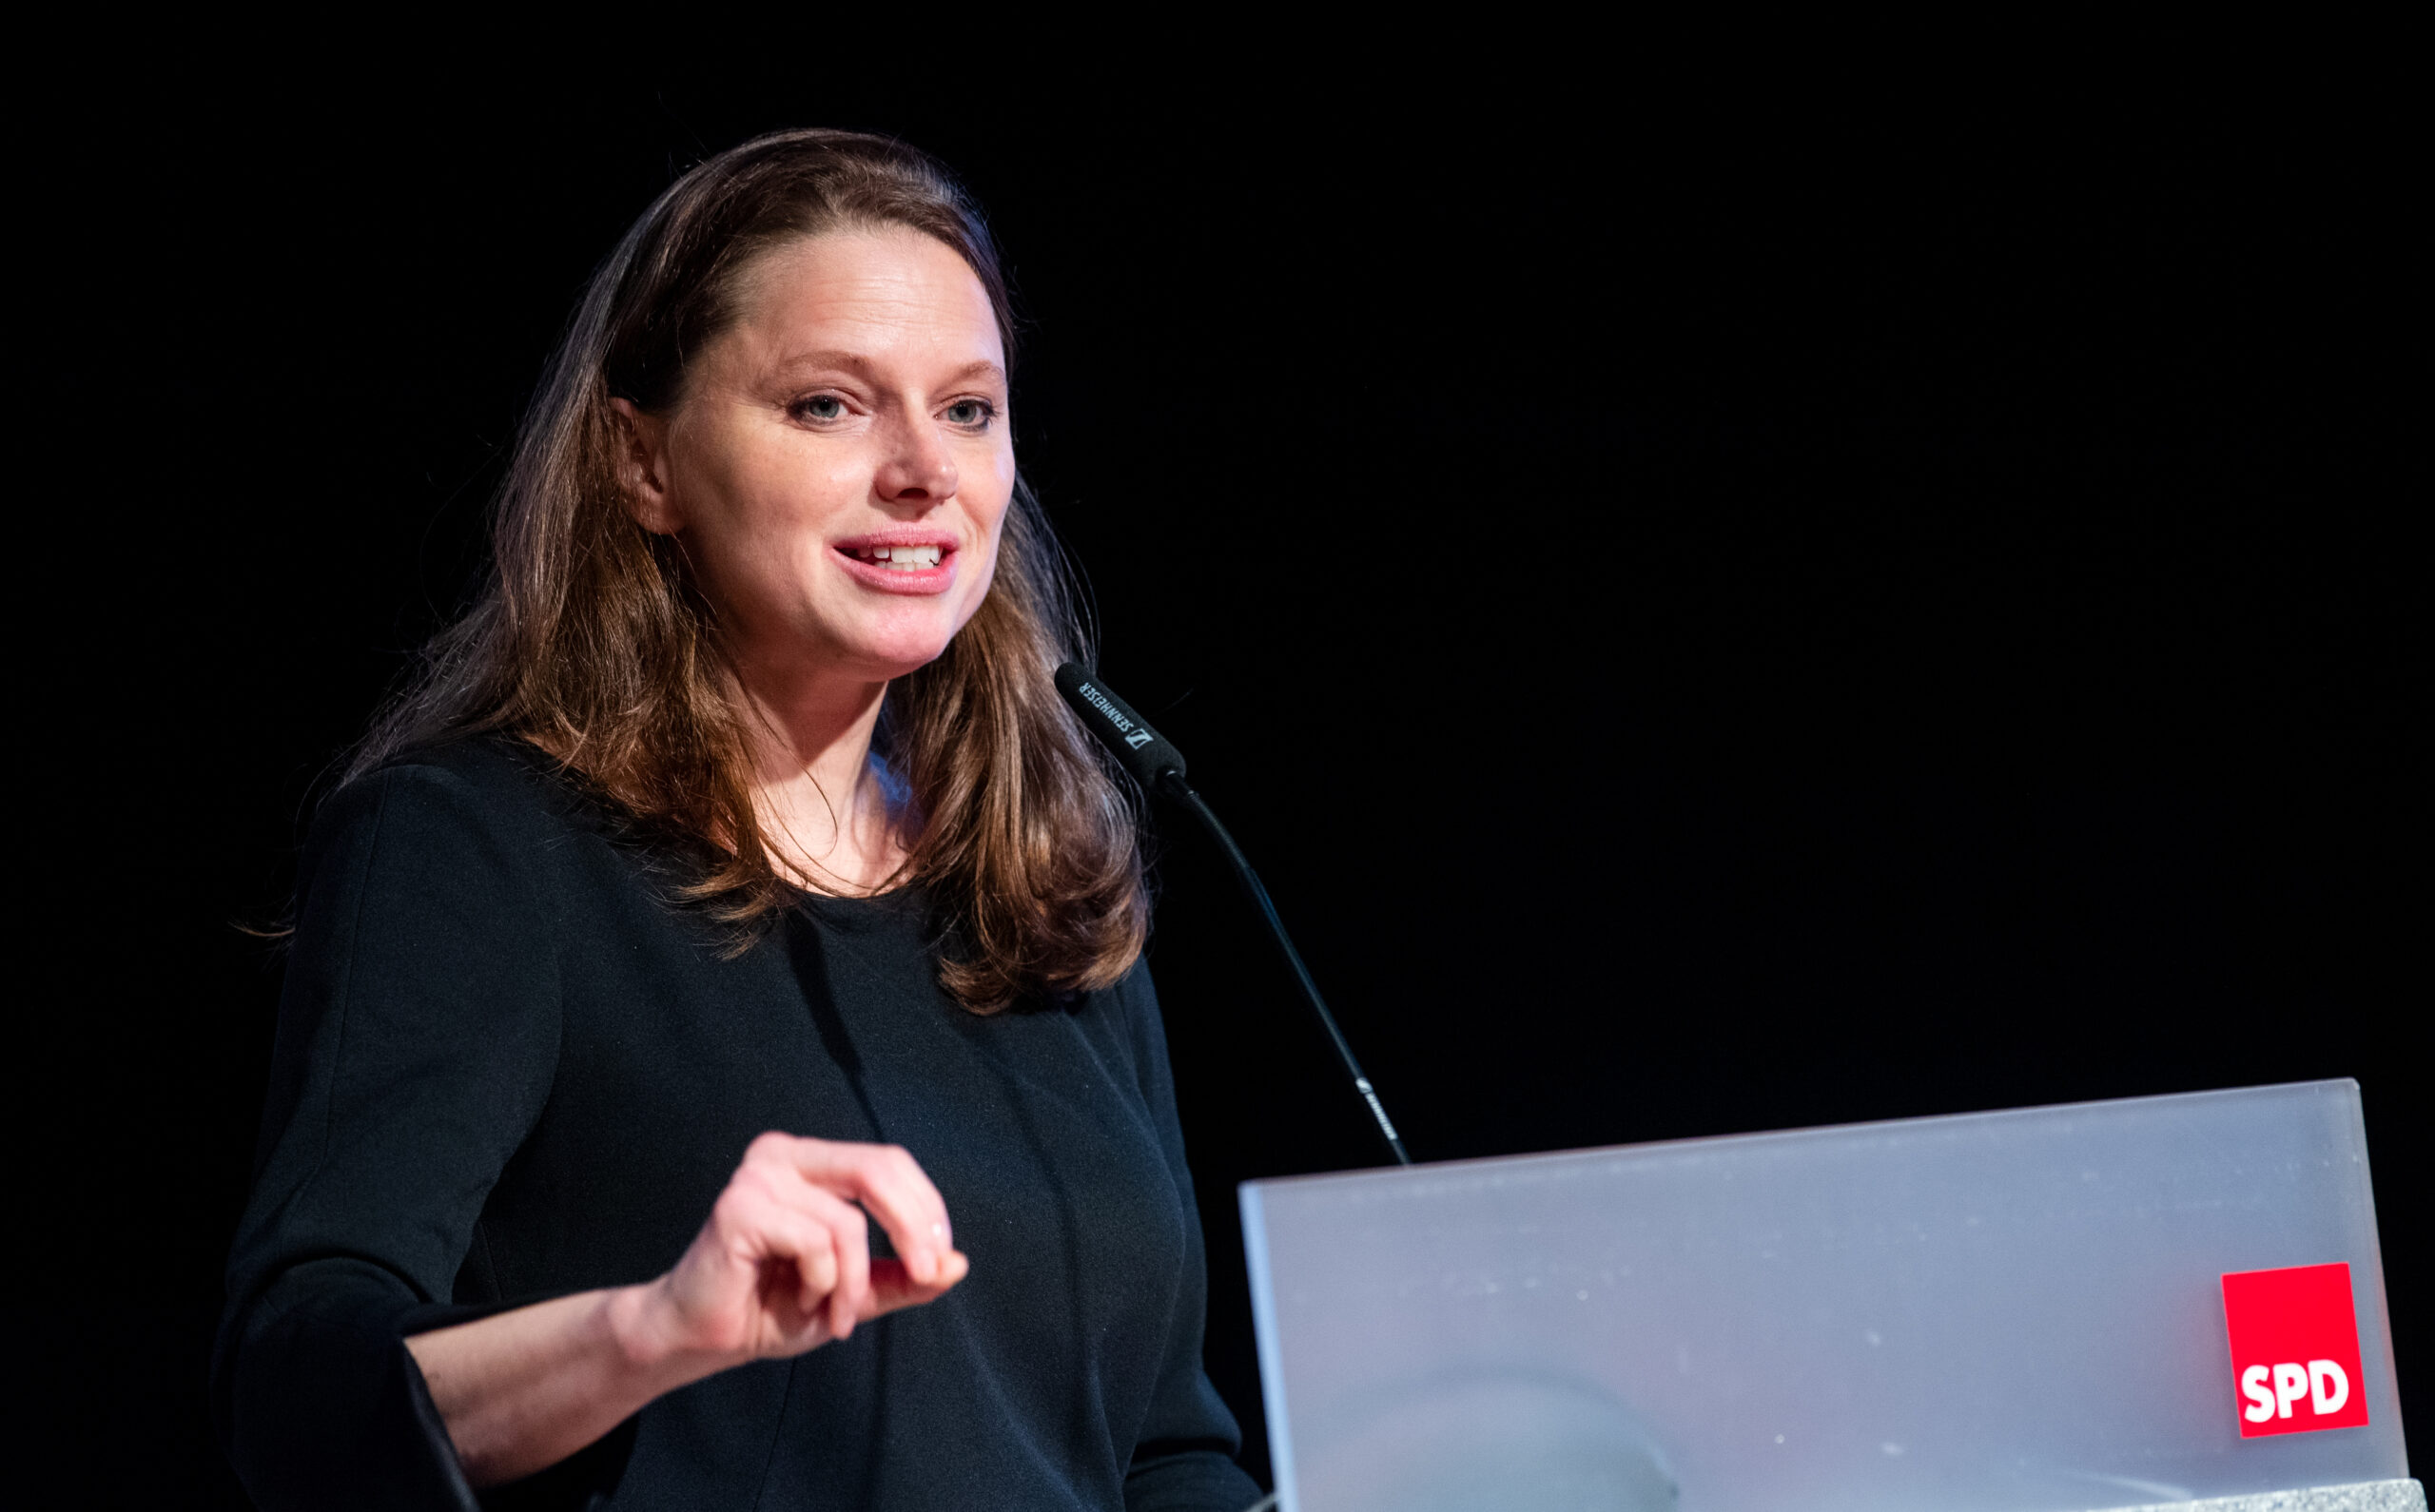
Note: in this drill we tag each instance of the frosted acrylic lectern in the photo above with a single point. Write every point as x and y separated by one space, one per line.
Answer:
2016 1311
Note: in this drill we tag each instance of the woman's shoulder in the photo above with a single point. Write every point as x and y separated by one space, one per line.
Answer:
1130 1006
490 785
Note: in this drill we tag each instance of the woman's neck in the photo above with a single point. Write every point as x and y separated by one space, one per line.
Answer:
824 812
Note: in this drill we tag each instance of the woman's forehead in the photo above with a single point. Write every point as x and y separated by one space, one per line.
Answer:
868 293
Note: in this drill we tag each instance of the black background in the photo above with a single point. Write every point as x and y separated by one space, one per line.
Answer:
1724 615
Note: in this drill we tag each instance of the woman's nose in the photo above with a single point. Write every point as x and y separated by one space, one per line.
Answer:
917 468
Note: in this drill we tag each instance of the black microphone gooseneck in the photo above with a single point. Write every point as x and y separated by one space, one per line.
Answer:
1159 768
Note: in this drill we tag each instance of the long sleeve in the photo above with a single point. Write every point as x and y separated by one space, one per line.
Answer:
417 1039
1183 1460
510 1066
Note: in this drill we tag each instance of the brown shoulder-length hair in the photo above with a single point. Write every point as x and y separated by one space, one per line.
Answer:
593 642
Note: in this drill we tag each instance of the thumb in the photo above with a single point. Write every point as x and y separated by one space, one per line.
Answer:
893 1286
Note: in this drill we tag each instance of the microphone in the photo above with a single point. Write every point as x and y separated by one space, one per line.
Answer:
1159 768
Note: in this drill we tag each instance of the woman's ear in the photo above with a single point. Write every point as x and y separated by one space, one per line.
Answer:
642 469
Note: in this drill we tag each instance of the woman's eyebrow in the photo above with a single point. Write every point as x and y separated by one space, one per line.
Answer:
862 367
851 361
983 368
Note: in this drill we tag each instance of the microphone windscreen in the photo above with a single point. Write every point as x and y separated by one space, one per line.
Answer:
1142 751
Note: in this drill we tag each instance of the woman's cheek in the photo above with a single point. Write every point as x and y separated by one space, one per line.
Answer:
984 577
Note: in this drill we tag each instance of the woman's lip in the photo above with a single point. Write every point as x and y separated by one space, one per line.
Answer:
901 536
897 579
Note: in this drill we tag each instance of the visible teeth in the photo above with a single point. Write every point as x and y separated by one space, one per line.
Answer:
903 558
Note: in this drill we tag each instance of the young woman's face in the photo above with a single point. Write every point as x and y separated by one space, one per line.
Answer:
841 462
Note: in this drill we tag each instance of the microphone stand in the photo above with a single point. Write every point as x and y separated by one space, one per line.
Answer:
1172 784
1159 768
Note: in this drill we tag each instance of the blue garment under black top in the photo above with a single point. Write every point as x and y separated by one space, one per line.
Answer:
509 1067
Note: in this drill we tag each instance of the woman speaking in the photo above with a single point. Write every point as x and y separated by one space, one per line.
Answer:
716 1067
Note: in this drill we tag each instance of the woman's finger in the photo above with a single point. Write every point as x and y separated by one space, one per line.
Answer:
884 1179
891 1288
813 1246
779 1185
725 1281
850 1244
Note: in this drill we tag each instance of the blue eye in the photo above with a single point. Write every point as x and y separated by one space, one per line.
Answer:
821 407
971 412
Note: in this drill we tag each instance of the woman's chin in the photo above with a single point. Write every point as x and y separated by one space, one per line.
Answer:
887 657
901 636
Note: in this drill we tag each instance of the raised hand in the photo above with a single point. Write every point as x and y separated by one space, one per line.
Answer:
783 1264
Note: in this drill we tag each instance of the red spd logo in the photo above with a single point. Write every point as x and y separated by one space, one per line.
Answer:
2295 1350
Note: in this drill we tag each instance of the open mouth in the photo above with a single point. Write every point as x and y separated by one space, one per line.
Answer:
897 559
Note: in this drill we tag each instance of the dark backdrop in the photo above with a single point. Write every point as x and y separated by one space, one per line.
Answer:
1711 616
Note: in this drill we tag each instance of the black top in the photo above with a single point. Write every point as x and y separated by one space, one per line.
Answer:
508 1068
